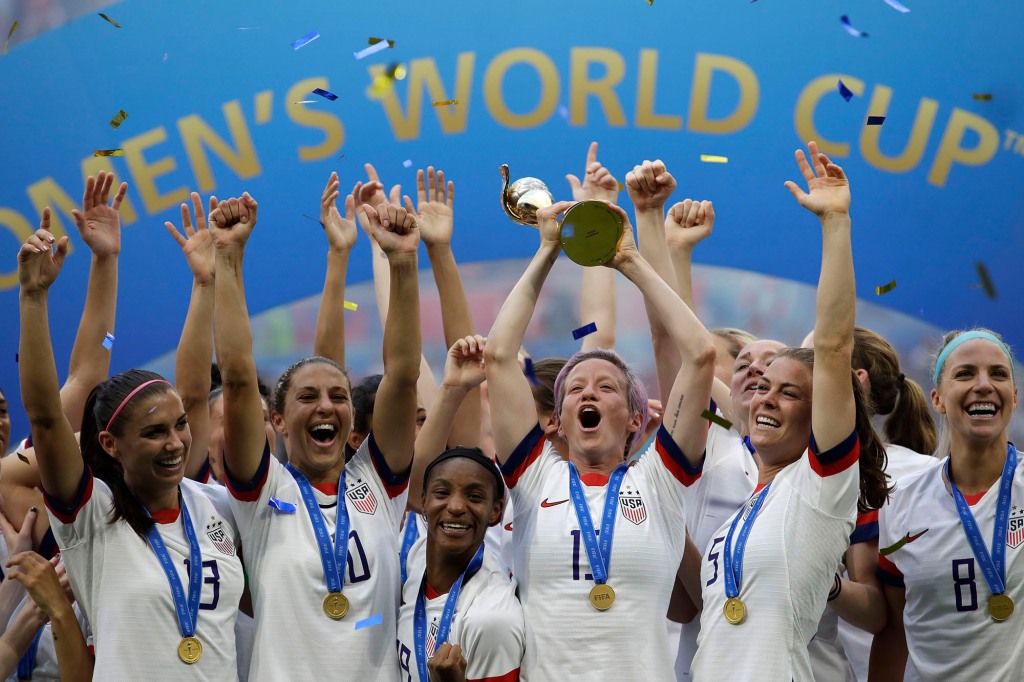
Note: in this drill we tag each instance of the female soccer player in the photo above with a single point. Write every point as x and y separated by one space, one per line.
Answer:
163 607
790 535
460 618
320 535
950 538
587 595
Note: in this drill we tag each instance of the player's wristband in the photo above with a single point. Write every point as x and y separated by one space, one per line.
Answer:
837 587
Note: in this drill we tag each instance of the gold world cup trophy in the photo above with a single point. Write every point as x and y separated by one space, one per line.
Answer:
590 230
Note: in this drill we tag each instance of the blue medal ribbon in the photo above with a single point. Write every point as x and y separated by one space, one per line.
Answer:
412 532
733 558
27 664
334 559
599 554
186 608
447 614
992 565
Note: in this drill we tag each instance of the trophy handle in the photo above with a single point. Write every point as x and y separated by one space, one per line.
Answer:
504 193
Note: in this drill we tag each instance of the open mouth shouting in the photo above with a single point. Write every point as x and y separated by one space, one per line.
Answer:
589 418
323 434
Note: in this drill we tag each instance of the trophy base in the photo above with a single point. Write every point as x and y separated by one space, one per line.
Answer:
591 232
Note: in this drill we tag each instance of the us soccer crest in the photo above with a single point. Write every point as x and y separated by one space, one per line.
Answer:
362 498
632 506
432 638
219 537
1015 529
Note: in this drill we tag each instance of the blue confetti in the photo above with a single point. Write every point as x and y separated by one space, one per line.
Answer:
281 505
876 120
585 330
845 91
529 372
108 341
372 49
305 40
370 622
897 6
326 94
408 162
856 33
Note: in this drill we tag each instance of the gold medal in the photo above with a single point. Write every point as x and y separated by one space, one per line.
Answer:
1000 607
336 605
735 610
602 597
190 650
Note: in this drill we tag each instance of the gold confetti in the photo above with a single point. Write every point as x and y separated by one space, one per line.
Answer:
23 458
715 418
397 71
116 122
710 158
108 152
621 186
986 280
379 87
374 41
885 288
14 27
446 102
349 305
982 97
650 2
116 25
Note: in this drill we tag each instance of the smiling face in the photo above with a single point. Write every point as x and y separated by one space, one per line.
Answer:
750 364
596 419
459 502
316 420
780 411
976 392
151 442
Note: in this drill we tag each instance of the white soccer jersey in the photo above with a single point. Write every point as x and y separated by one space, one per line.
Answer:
294 639
123 590
950 634
791 556
567 639
728 479
488 624
900 463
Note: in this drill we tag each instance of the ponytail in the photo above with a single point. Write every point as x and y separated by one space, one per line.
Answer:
911 424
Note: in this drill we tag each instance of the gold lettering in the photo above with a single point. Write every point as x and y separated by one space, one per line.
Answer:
329 124
197 136
750 94
494 79
919 133
951 152
145 174
423 75
581 86
647 83
807 104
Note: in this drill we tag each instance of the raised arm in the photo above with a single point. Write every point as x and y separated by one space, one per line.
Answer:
514 413
99 225
650 186
195 349
329 340
463 374
691 389
372 193
597 290
435 215
688 223
231 224
394 428
60 461
833 413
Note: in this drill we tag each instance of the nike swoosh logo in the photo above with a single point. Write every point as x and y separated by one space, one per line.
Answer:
545 504
902 541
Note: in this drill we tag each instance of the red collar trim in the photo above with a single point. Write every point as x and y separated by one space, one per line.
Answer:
166 516
973 499
429 591
594 479
760 487
327 488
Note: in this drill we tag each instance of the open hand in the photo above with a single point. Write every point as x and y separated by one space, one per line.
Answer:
99 224
828 190
650 185
598 182
41 580
688 223
197 242
341 232
434 199
38 263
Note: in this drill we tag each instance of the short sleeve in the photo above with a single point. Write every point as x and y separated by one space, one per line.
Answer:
493 638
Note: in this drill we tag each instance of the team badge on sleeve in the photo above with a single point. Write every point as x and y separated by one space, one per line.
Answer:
1015 528
362 498
219 537
632 506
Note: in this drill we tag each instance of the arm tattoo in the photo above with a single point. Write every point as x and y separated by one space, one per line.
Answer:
675 416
